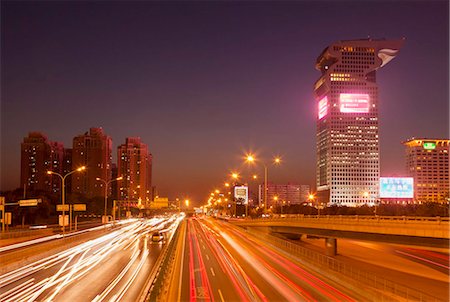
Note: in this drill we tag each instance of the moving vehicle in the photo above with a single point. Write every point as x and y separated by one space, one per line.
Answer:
157 236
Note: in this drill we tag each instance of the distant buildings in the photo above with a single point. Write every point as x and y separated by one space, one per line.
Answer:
427 162
347 120
93 150
285 193
134 164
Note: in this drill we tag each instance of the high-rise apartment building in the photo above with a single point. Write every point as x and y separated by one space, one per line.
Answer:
35 162
93 150
348 158
134 164
427 162
39 155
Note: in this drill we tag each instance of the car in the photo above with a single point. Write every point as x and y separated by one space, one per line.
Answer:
157 236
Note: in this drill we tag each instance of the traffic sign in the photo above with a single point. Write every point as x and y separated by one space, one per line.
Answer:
29 202
65 220
2 200
79 207
60 208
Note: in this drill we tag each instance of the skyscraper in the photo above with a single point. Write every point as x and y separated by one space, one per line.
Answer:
427 162
348 158
135 166
93 150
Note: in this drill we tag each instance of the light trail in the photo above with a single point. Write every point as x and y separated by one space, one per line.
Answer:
75 263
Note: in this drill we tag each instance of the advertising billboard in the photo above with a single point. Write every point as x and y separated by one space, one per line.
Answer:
429 145
396 187
241 194
323 107
354 103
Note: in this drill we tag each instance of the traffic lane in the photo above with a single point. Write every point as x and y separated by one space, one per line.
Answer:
226 280
210 282
301 282
115 277
399 258
91 253
269 285
432 259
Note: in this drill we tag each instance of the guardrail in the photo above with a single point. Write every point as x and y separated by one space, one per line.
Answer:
158 280
402 219
380 284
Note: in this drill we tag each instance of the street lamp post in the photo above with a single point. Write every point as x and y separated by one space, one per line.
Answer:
250 158
63 195
106 191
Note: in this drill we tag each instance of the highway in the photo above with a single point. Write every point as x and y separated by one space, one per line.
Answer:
112 267
222 264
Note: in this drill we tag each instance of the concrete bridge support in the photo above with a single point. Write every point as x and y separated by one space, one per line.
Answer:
331 246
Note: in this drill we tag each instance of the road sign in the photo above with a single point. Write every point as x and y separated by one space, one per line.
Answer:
60 208
66 220
79 207
29 202
8 218
2 200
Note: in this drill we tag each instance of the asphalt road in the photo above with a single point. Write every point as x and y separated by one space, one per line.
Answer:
222 264
113 267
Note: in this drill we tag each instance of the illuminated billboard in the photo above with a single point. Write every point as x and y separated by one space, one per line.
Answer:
396 187
323 107
429 145
241 194
354 103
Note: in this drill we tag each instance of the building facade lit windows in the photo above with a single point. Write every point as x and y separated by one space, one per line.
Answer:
134 165
348 161
427 162
38 155
92 149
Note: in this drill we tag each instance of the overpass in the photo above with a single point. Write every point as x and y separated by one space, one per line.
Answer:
419 231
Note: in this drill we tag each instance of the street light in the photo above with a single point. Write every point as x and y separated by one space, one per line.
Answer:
106 190
250 158
63 195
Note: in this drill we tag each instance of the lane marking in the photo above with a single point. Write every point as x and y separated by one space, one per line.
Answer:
221 296
212 272
423 259
207 257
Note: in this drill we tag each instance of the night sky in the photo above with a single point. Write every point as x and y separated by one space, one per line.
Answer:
203 82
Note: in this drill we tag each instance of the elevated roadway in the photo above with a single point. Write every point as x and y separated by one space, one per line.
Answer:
419 231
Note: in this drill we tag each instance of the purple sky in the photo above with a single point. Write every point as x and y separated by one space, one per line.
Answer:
201 83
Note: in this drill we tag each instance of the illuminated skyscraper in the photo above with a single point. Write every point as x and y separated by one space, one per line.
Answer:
93 150
348 159
427 162
134 164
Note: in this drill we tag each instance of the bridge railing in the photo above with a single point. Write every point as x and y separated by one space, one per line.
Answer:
376 218
358 276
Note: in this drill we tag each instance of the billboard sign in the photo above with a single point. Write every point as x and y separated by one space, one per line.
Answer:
60 208
79 207
354 103
323 107
396 187
241 194
29 202
429 145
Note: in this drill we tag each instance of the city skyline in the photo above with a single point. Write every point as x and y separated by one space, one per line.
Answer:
202 97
